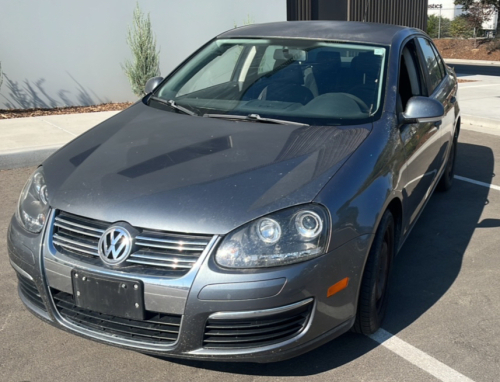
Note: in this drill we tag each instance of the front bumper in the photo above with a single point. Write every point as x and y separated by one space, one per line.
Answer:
204 298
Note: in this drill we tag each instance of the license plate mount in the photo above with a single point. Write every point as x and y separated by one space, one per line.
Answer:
108 294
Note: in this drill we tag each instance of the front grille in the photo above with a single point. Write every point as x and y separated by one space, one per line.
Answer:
30 292
157 328
76 235
237 334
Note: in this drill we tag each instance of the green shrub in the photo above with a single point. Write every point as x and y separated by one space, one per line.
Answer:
461 28
146 62
433 27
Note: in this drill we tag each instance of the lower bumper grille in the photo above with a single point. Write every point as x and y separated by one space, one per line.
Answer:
158 328
248 333
30 292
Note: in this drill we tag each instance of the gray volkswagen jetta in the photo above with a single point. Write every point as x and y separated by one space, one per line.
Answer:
250 206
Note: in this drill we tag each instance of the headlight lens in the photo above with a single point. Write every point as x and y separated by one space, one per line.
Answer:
33 206
309 224
269 230
285 237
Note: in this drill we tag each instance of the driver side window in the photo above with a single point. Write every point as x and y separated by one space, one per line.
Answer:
410 76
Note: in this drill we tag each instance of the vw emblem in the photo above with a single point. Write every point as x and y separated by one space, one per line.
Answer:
115 245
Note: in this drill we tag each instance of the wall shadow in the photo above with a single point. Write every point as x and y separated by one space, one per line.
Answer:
33 95
424 270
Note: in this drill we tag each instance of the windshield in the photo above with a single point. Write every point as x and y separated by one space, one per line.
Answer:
310 82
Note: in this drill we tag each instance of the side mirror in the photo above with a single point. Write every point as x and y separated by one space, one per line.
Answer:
423 109
152 84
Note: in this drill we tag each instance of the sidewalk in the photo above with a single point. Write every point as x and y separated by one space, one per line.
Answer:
28 141
480 100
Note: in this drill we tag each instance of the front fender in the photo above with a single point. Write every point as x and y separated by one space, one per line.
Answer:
361 191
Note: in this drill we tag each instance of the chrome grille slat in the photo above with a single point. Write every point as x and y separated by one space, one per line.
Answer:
169 247
79 243
64 221
65 245
156 264
173 241
172 259
173 252
77 230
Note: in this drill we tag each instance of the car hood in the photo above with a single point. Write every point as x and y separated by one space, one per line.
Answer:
168 171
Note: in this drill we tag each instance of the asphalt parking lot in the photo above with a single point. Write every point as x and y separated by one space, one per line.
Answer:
443 312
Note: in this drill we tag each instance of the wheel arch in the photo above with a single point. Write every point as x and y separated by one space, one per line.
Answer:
457 127
396 208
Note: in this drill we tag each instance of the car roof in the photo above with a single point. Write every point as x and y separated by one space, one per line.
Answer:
382 34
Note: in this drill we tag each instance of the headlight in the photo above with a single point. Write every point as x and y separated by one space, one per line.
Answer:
33 205
285 237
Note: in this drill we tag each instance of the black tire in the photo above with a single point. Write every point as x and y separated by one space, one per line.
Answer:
372 302
446 180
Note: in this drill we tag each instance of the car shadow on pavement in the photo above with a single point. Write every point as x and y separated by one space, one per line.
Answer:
425 268
431 259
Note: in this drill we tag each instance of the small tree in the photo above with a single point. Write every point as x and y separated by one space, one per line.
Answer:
494 4
146 62
249 21
477 14
460 27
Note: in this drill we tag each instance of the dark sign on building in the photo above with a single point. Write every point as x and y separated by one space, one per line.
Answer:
412 13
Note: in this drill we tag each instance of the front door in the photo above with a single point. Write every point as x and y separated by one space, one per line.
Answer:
422 141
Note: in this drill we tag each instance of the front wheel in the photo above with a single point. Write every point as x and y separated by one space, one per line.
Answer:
372 301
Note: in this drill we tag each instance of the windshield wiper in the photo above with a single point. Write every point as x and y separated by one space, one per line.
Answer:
173 105
255 118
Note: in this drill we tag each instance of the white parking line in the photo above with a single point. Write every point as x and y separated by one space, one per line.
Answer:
478 182
418 357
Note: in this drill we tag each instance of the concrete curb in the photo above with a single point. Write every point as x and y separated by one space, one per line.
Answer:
25 158
457 61
480 121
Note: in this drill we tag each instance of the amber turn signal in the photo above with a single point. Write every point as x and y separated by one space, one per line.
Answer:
337 287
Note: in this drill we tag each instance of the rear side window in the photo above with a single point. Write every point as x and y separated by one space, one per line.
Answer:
442 66
433 64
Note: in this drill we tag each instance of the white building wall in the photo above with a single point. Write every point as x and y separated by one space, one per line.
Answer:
492 23
60 52
449 10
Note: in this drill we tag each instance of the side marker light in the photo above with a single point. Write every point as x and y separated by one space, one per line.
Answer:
337 287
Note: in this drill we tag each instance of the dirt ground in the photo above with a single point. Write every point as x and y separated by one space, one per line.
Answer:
22 113
464 49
